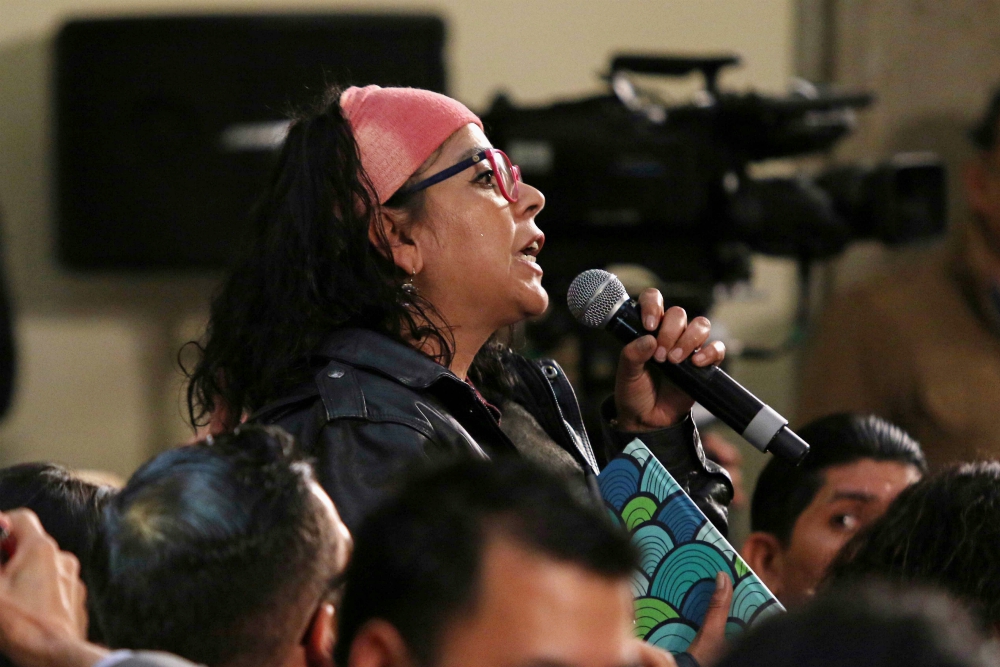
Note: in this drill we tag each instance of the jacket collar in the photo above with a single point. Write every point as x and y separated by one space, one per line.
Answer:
364 348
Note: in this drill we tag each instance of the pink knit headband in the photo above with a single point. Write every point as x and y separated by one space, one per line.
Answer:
397 129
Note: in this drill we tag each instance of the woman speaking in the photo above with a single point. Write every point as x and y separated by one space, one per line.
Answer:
391 247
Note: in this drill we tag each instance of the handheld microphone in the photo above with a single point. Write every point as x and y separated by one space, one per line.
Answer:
599 300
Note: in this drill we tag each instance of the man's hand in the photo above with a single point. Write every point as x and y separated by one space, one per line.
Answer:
650 656
710 642
43 617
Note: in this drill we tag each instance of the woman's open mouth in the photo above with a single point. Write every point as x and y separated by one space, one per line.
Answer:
530 253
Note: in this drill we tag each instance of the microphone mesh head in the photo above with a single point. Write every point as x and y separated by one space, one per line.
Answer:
594 296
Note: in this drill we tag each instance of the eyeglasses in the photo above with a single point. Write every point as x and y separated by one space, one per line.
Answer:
506 175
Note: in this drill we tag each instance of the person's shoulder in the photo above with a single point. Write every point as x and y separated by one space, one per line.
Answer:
366 395
342 395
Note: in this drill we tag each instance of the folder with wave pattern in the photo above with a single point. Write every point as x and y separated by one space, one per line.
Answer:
681 551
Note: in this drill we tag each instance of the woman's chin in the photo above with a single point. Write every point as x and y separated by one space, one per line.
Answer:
537 303
527 303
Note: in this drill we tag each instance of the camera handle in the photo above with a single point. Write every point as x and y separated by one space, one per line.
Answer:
709 66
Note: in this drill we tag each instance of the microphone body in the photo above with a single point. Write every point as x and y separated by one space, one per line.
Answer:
710 386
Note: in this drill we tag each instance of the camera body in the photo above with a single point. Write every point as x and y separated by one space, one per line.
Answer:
630 179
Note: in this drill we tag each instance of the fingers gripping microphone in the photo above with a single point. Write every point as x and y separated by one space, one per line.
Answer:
599 300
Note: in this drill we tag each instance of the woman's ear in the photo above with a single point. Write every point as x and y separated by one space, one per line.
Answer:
395 226
379 644
764 554
320 637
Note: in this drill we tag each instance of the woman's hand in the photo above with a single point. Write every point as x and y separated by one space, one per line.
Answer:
646 400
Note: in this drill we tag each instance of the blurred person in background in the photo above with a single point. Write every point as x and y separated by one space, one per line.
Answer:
802 515
942 532
921 347
491 565
391 251
873 624
68 507
226 553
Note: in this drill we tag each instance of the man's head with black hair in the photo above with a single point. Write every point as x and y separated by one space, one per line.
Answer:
872 624
69 508
226 552
482 564
801 516
941 532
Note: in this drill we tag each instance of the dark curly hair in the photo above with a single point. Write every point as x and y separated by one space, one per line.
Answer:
311 266
943 532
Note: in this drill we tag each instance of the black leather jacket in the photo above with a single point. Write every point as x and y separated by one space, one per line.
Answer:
377 407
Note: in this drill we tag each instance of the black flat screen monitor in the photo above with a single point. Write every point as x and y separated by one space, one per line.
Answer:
166 127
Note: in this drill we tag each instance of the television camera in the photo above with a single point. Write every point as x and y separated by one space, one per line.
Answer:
631 179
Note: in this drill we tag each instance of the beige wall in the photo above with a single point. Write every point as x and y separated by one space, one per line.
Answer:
98 386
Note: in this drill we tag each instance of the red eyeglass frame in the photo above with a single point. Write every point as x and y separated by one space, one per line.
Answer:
488 154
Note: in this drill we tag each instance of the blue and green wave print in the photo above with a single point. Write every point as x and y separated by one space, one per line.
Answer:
681 552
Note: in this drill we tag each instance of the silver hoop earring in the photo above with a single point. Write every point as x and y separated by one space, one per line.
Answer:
408 286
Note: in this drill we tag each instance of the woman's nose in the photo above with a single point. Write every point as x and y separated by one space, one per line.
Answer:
530 200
